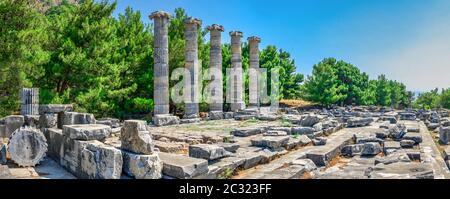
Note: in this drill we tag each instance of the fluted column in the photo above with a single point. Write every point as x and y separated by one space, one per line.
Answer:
29 101
237 96
192 65
215 64
161 62
253 74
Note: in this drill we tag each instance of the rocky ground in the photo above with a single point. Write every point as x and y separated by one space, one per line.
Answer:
340 143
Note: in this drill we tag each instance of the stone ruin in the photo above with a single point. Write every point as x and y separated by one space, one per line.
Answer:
253 142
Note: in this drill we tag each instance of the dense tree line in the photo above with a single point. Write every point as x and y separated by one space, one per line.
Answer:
341 83
79 53
433 99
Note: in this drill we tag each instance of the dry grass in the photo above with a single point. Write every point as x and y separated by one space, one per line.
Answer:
295 103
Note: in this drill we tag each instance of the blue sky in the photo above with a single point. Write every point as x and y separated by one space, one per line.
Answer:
408 40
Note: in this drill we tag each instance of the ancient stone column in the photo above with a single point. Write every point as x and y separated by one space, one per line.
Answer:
215 64
161 70
161 62
237 95
253 74
29 101
192 65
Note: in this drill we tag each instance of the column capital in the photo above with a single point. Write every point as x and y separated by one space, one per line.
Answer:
192 20
215 27
236 34
159 14
254 39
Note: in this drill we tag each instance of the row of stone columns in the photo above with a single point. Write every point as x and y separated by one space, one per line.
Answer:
161 67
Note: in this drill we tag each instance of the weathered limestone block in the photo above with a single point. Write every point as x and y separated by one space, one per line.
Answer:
55 141
48 120
447 153
272 142
416 137
352 150
371 148
382 134
170 147
407 143
207 151
247 131
142 166
230 147
403 170
216 115
397 131
444 135
309 120
165 120
391 146
307 163
112 122
391 119
87 132
55 108
228 115
136 138
300 130
361 139
268 117
288 130
182 167
5 173
288 172
100 161
274 133
319 141
252 159
71 155
433 126
398 156
11 123
71 118
27 146
407 116
357 121
218 167
190 120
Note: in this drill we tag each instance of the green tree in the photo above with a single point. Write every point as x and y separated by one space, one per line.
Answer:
383 92
22 35
83 66
428 100
445 98
323 85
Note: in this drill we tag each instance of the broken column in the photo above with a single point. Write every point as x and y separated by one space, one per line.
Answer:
139 158
237 90
161 70
191 63
215 64
253 74
29 101
27 146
